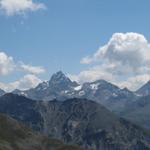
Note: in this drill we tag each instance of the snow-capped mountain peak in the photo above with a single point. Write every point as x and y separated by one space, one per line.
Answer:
60 87
59 78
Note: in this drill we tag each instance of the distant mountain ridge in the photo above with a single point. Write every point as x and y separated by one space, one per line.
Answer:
77 121
144 90
61 87
118 100
56 87
2 92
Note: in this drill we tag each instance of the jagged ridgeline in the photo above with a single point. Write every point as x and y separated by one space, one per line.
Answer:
77 121
60 87
120 101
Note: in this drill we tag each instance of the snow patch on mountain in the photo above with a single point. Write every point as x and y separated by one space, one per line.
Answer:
94 86
78 88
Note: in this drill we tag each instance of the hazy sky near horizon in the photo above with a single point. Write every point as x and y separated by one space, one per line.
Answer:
87 40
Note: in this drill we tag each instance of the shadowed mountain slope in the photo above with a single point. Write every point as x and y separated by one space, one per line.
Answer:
16 136
77 121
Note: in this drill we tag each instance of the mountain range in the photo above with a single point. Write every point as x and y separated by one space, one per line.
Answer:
60 87
117 100
76 121
16 136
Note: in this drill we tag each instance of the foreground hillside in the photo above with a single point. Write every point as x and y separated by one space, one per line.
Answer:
15 136
76 121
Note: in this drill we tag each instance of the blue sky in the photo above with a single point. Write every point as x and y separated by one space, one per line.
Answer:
60 35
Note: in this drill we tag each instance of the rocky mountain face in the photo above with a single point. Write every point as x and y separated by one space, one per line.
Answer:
107 94
123 102
2 92
61 88
78 121
144 90
56 88
16 136
139 112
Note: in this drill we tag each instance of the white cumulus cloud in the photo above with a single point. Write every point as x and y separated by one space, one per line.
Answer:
6 64
125 59
26 82
93 73
135 82
32 69
14 7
